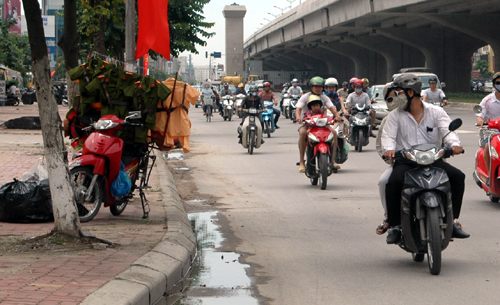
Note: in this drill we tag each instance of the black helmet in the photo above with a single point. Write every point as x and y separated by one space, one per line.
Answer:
408 81
345 84
433 79
253 91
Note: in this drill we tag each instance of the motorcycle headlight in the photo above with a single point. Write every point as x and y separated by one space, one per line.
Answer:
312 138
105 124
424 157
358 121
321 122
493 152
252 111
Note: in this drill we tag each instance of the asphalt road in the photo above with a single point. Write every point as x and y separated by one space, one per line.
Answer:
308 246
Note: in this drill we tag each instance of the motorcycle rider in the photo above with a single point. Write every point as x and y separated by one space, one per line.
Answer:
268 95
491 111
285 90
295 89
351 85
240 90
252 100
225 91
358 96
316 85
12 92
433 93
418 123
367 90
331 85
260 87
343 92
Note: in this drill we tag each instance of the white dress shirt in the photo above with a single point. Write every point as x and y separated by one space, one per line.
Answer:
401 131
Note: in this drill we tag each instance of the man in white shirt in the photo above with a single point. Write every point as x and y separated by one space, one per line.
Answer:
295 89
361 97
418 123
434 95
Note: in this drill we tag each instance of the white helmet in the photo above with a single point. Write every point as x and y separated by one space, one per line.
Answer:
331 82
295 81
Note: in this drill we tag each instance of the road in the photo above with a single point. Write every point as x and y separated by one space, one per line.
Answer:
308 246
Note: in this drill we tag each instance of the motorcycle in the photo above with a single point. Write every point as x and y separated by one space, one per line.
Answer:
28 97
239 99
342 149
426 207
227 107
267 118
293 107
438 103
320 139
251 130
97 166
285 105
483 177
11 101
360 122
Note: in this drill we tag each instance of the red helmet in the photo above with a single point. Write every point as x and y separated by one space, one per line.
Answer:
266 84
358 82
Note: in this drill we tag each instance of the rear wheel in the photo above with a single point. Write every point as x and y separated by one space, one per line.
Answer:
285 111
119 206
27 100
230 115
268 128
433 241
359 147
81 178
251 142
209 114
323 165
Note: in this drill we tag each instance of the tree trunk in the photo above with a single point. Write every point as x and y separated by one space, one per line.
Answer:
65 213
99 36
69 44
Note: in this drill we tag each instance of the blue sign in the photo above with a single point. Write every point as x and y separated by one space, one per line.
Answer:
51 44
217 54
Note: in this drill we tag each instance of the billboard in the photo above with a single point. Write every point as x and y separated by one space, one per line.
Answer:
12 10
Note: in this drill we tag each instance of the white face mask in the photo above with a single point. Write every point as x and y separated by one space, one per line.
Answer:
497 87
399 102
359 90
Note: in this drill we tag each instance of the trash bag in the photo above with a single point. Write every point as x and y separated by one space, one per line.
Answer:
37 173
25 202
122 184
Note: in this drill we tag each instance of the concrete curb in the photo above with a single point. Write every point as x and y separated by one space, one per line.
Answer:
157 272
462 105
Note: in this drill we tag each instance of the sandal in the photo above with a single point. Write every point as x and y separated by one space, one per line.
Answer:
302 169
382 228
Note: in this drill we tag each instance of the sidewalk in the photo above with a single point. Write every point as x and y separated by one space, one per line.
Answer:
64 273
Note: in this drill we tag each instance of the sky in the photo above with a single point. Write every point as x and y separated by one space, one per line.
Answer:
257 10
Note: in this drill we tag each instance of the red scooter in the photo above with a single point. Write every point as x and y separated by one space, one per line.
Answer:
488 180
320 138
98 165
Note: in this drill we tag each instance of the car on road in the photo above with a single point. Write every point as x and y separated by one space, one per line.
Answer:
378 103
424 77
198 101
488 86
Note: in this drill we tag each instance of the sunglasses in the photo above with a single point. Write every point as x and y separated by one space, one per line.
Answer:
389 99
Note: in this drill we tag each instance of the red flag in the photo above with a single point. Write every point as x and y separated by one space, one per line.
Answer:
154 31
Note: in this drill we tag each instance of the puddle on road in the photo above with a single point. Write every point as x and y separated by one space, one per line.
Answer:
173 155
218 278
197 200
181 168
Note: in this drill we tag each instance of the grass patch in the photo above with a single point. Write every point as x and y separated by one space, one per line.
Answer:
466 97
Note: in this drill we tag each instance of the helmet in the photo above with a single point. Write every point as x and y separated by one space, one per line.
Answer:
295 80
432 79
316 81
495 76
226 86
358 82
352 80
408 81
345 84
253 91
314 99
240 85
331 82
266 84
260 86
365 80
286 85
387 89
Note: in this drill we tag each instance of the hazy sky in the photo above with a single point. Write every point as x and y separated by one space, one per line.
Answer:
257 10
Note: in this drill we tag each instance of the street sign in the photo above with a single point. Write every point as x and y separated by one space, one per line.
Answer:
217 54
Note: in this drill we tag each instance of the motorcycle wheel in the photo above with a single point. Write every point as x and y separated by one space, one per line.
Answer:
359 147
285 111
251 141
268 128
493 198
27 100
16 103
323 162
294 119
418 257
434 242
119 206
229 118
81 178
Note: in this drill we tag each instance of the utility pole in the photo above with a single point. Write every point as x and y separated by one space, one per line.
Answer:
130 64
290 1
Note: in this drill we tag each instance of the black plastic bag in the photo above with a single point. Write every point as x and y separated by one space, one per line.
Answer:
25 202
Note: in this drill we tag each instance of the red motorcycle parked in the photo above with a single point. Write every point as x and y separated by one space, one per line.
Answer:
319 164
488 180
98 165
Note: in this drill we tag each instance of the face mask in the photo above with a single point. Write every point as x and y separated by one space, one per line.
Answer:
497 87
359 90
399 102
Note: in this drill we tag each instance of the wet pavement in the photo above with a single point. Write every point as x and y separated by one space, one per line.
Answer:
217 277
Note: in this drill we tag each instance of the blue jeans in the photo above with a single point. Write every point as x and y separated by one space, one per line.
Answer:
205 108
277 114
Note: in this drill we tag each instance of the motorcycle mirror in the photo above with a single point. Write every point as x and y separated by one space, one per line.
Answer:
443 84
133 115
376 95
477 109
455 124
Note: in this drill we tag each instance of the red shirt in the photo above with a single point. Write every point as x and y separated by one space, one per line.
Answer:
267 96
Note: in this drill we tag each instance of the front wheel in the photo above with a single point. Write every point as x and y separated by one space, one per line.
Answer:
433 241
81 178
359 147
268 128
323 162
285 111
251 142
418 257
493 198
27 100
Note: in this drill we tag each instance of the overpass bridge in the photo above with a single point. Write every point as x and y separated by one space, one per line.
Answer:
375 38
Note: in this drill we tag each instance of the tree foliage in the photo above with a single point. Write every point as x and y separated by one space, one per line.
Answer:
482 66
15 50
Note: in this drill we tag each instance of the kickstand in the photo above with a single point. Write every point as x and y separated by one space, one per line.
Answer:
145 204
